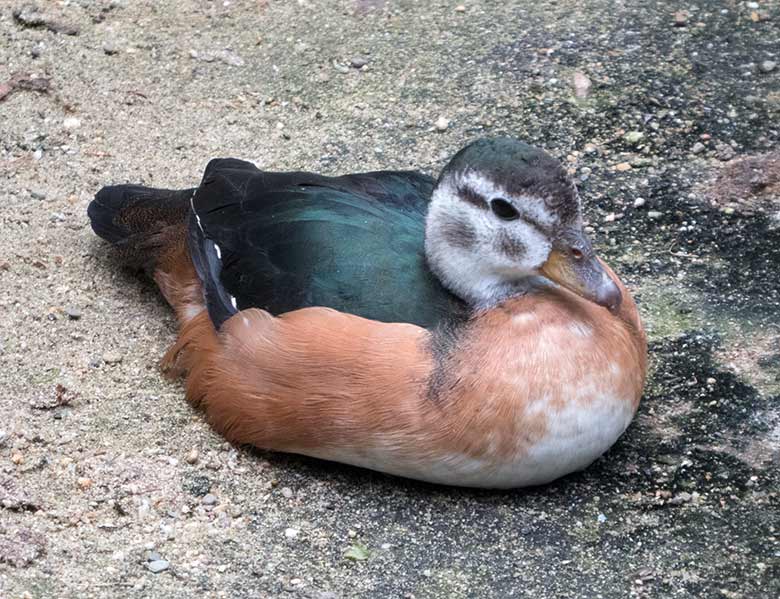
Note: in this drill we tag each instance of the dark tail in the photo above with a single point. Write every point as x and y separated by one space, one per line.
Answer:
140 221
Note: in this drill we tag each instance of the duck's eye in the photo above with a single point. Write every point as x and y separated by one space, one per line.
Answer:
576 254
503 209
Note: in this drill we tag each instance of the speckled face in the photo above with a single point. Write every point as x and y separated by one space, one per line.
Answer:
510 202
516 202
501 208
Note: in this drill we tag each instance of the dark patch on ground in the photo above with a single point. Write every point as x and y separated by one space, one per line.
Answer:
751 183
684 463
197 486
711 410
731 258
703 79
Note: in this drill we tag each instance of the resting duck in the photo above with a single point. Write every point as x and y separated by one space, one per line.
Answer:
459 331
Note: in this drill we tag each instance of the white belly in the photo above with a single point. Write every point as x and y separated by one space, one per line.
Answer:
575 437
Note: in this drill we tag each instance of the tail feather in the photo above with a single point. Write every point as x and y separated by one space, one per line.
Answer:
139 220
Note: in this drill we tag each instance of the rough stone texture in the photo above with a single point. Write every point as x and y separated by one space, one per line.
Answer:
685 505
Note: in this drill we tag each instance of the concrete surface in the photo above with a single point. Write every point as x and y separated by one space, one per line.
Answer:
667 114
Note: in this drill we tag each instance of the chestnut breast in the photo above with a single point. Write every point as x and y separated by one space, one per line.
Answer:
527 392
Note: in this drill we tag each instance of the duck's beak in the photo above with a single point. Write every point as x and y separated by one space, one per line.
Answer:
585 276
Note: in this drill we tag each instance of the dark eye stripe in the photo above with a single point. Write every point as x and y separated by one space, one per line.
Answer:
472 197
476 199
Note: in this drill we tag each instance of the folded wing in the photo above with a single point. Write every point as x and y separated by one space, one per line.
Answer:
284 241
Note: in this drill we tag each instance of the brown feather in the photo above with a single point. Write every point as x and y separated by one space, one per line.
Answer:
332 385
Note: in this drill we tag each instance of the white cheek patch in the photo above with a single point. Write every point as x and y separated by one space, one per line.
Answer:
537 246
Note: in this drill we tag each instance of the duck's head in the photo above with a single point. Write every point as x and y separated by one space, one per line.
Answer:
503 214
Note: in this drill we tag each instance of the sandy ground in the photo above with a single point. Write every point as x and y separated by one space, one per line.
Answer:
106 473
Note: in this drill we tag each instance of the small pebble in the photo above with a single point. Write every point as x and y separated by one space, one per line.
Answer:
681 498
582 85
601 518
634 137
112 358
71 123
622 167
639 202
341 68
698 148
442 124
768 66
110 48
209 499
460 8
724 151
230 58
711 381
153 557
680 18
84 483
291 533
287 492
358 62
653 215
157 566
192 456
73 313
144 510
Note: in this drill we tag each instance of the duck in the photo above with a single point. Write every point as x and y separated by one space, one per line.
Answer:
460 330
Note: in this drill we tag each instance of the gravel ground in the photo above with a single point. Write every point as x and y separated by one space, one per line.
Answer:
666 112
